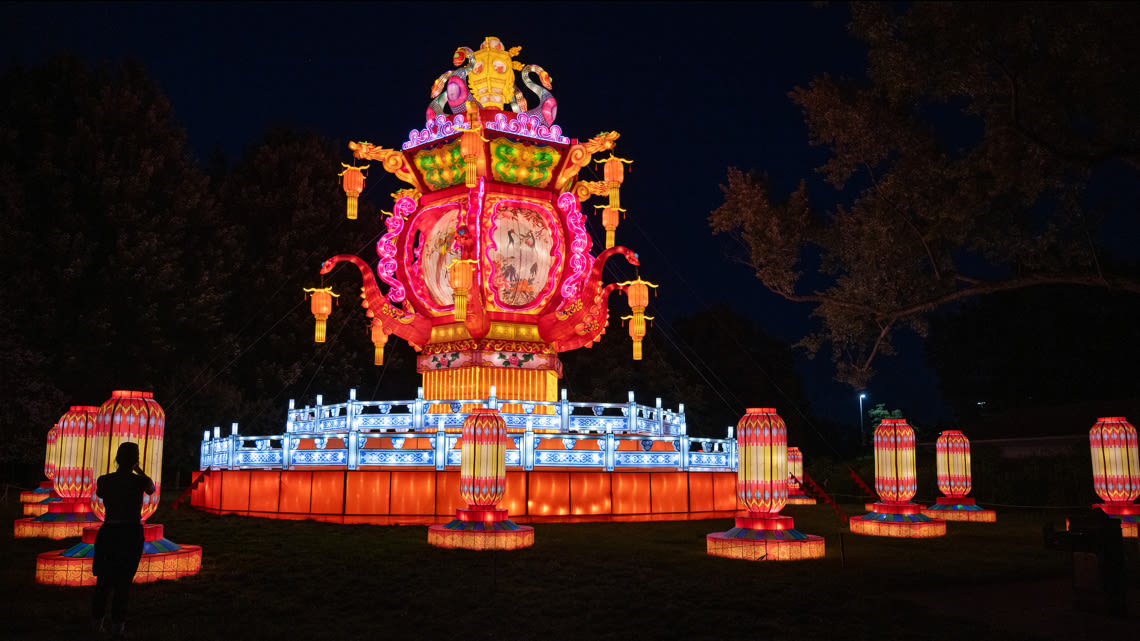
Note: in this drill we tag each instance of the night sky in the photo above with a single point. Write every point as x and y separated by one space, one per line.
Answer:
693 88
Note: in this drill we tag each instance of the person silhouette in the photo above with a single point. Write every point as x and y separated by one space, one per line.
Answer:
119 543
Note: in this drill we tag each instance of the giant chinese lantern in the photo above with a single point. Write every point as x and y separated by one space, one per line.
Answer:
952 452
894 515
70 510
762 487
482 484
796 494
1116 470
128 416
352 179
486 268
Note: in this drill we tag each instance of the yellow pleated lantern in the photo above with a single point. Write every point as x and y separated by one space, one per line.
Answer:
610 224
461 274
762 474
379 340
129 416
895 479
352 179
1116 468
471 148
483 471
74 478
952 456
638 293
51 457
615 175
321 306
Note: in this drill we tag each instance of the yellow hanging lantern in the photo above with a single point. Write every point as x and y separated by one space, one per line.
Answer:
610 224
615 174
321 307
638 293
471 148
461 274
135 417
352 179
379 340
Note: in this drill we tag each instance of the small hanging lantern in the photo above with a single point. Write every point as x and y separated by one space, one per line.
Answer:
321 307
610 224
352 179
471 147
460 275
615 174
379 340
638 293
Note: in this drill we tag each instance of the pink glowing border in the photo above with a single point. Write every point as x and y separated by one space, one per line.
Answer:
415 269
386 248
441 127
556 256
529 126
579 247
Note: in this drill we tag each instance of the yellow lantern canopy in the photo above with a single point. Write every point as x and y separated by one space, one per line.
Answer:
129 416
321 307
352 179
74 478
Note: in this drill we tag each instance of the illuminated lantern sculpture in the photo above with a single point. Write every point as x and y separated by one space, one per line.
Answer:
128 416
953 459
894 514
69 511
638 293
796 494
36 501
762 486
352 179
482 484
1116 470
321 307
486 267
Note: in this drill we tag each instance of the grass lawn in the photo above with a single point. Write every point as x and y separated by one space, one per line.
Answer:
266 579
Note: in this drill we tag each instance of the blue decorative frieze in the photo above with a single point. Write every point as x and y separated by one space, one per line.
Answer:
571 458
320 457
385 421
514 458
708 459
259 458
454 457
647 459
597 423
397 457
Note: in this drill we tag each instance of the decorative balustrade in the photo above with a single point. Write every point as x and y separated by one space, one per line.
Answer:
586 435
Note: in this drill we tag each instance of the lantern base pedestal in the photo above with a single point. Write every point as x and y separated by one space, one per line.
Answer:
959 508
1128 514
768 538
38 494
481 529
63 519
43 507
799 498
162 560
900 520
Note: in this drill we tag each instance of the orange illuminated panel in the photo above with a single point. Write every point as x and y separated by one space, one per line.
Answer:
590 493
549 493
447 496
367 493
235 491
724 491
631 493
481 540
701 492
904 530
213 490
328 493
264 487
514 501
670 492
296 490
413 492
765 550
52 568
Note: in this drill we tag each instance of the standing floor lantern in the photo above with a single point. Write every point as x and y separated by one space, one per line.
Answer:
482 525
894 514
954 480
135 417
67 515
762 485
1116 470
796 494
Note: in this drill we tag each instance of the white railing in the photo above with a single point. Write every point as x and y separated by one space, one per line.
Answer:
588 435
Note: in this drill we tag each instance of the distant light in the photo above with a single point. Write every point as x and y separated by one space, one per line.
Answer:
862 396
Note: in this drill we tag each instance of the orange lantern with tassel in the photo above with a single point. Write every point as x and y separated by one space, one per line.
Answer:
352 179
638 293
471 148
461 274
610 224
379 340
321 307
615 174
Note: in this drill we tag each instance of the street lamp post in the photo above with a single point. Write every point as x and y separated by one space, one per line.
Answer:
861 397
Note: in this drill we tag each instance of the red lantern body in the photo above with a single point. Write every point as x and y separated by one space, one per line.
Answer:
952 451
1116 470
894 461
762 475
138 418
74 478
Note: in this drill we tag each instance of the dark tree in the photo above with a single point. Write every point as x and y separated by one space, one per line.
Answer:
971 158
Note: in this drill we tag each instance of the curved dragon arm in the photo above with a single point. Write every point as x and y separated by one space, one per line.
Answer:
587 320
404 323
